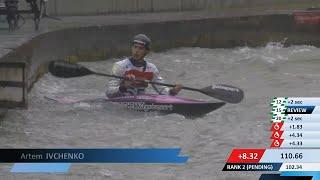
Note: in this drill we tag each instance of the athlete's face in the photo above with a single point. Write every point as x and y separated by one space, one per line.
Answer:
138 51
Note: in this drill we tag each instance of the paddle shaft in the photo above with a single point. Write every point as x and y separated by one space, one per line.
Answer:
151 82
222 92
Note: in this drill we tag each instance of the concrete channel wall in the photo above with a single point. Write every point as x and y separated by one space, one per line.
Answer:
96 7
12 78
101 42
85 7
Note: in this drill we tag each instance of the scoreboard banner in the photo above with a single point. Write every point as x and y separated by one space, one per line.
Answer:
294 142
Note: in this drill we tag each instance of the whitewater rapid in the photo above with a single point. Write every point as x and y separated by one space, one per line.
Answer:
263 73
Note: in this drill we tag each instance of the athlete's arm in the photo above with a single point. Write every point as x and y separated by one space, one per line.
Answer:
163 90
116 86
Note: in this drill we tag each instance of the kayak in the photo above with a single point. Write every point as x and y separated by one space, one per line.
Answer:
168 104
155 103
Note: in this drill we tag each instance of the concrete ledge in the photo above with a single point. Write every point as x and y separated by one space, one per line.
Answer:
101 42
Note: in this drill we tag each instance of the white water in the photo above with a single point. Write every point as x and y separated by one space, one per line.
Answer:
262 72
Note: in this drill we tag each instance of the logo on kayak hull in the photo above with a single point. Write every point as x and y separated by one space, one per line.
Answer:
142 106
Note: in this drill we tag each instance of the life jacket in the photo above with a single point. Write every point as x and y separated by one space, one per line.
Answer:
146 71
142 76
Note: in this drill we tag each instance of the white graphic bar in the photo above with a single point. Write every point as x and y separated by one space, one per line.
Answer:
301 135
297 118
293 143
291 156
299 167
302 101
301 127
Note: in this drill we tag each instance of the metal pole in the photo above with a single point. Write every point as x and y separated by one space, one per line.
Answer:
24 99
152 9
55 8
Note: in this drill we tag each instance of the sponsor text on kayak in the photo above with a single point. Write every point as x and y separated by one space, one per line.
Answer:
147 107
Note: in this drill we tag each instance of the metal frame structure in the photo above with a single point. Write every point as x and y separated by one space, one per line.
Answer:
16 20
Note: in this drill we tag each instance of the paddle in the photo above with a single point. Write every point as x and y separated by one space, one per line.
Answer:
222 92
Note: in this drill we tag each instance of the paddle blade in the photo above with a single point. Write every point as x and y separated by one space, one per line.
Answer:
66 69
224 92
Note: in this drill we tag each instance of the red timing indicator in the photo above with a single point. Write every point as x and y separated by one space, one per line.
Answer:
276 135
246 155
276 143
276 126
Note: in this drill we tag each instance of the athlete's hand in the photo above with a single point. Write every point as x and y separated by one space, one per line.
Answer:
176 89
130 82
129 79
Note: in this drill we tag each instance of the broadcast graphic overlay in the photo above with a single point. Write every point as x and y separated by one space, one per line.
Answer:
295 142
59 160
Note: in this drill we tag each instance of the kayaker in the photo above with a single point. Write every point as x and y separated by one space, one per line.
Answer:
136 67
